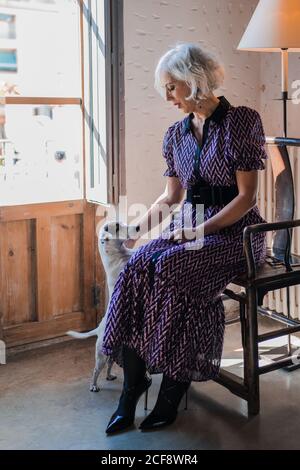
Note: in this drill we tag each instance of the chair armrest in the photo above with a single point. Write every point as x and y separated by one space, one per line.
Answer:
264 227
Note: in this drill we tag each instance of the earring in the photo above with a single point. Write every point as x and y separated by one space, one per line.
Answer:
198 101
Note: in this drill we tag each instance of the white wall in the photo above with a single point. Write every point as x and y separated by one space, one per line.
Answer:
150 28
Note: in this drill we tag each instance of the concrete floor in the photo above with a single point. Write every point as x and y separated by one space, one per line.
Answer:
46 404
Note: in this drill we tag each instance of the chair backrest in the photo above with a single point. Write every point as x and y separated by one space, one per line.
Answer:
284 192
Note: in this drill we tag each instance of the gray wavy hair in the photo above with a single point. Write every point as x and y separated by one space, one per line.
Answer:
188 62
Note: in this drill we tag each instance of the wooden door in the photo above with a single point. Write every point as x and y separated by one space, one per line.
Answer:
48 261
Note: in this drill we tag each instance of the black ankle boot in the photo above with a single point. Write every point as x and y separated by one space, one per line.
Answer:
123 417
165 410
136 382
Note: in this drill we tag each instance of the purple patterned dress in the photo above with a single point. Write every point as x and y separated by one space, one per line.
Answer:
166 303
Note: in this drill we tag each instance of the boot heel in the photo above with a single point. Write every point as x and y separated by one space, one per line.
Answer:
146 400
165 410
186 400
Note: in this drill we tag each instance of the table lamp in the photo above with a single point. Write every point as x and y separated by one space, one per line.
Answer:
275 27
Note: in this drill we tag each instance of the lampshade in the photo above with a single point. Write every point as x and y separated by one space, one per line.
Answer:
275 25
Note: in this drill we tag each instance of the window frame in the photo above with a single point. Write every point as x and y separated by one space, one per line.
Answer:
116 102
114 93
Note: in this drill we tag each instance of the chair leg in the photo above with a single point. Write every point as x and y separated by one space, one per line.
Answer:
289 342
242 320
251 375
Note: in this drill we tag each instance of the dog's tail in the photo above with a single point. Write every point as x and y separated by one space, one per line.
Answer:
88 334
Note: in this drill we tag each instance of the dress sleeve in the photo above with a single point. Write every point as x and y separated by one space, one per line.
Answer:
248 141
167 151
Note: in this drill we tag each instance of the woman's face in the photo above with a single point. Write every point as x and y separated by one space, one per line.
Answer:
176 92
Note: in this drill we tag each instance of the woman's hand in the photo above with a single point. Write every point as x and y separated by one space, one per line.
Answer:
184 235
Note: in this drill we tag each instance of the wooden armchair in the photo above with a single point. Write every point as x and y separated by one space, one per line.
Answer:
280 270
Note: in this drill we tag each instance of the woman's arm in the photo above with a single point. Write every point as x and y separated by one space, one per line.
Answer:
247 182
160 209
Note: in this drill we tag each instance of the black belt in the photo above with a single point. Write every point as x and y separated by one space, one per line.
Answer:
211 195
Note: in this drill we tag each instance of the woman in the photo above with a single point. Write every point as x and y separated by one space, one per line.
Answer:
166 314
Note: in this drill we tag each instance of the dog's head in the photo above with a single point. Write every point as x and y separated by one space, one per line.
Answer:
113 234
117 231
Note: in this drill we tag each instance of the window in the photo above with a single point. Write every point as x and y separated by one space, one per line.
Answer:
7 26
41 154
59 115
8 60
40 115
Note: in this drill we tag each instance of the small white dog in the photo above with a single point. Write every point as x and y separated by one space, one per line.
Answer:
114 255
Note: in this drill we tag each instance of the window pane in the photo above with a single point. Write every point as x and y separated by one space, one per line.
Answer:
96 83
8 60
40 47
40 154
7 26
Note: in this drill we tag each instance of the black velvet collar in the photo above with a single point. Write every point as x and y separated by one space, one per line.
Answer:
217 116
